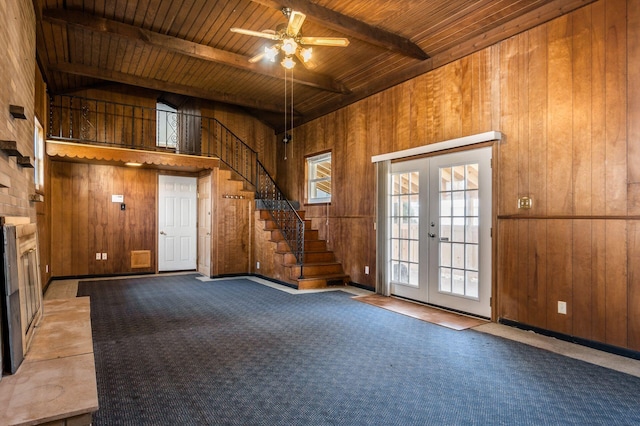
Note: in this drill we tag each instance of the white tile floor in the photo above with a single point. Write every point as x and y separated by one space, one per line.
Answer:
63 289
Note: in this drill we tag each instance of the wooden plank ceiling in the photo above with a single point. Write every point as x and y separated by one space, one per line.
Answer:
186 46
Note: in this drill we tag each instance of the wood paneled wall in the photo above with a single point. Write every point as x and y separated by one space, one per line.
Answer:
569 107
84 220
232 225
566 96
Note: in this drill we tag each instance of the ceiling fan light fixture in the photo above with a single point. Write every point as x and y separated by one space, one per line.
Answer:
306 53
288 62
271 53
289 46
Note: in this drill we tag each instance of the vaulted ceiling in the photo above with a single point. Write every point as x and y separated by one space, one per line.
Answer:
186 47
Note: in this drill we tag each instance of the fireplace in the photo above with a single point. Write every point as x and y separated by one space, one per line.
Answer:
21 297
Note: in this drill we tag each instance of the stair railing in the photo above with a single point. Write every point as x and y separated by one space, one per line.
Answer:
97 122
283 213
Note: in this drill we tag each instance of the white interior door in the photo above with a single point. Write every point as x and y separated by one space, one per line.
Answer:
204 225
177 217
440 230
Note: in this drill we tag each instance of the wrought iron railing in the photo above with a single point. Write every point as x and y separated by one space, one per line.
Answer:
283 213
114 124
98 122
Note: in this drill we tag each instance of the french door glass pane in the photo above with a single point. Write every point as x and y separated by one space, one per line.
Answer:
405 228
459 230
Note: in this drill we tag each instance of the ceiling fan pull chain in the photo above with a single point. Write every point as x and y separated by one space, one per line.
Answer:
291 133
285 140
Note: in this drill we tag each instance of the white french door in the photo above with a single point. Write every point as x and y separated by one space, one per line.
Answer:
439 231
177 216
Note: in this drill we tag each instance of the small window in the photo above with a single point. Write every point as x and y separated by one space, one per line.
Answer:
319 178
166 126
38 154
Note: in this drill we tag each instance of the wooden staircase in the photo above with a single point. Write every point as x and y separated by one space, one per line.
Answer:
320 268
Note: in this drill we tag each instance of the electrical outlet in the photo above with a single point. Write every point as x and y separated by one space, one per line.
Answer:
257 265
98 256
366 270
104 256
562 308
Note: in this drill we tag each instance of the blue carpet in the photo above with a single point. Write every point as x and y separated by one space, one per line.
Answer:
173 350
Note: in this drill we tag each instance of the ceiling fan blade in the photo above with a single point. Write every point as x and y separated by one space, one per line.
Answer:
257 57
262 34
310 64
295 22
325 41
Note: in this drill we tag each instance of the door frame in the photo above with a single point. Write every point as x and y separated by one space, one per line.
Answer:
158 242
205 204
487 139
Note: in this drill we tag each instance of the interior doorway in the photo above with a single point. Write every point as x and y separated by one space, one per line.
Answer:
177 218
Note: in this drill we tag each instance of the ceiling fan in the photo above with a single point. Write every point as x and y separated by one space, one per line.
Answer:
291 42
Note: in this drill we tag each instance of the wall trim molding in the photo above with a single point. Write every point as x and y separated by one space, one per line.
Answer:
440 146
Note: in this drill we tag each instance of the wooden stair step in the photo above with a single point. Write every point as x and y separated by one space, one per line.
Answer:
309 257
314 269
322 281
309 235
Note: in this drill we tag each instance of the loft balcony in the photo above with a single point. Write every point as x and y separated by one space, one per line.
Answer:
110 131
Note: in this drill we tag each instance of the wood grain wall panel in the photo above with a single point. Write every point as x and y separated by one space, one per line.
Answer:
348 250
599 280
616 107
437 100
230 232
616 295
469 93
452 96
481 88
598 140
633 107
508 148
523 121
560 115
508 280
581 131
522 270
633 304
60 254
419 96
537 278
79 207
402 116
582 279
559 274
85 221
537 78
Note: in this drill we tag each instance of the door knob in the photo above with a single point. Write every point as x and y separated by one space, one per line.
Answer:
162 233
432 235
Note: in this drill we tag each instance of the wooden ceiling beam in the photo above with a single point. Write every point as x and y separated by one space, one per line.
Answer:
351 27
163 86
178 45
